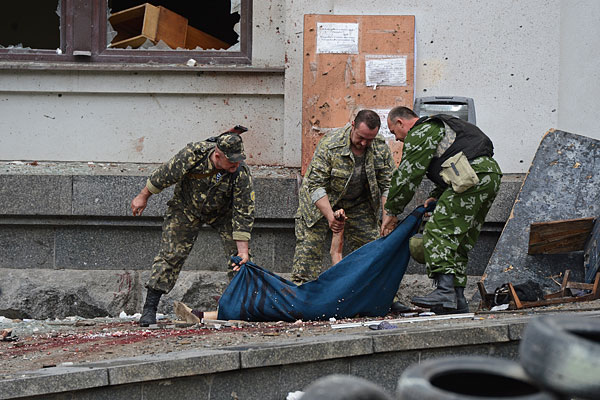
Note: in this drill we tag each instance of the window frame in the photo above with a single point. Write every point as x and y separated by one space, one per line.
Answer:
81 43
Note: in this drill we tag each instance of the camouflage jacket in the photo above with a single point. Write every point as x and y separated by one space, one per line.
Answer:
331 169
423 142
206 192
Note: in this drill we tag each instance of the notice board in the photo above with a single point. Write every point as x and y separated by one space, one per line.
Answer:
353 62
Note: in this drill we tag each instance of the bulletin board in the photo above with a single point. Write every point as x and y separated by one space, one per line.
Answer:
353 62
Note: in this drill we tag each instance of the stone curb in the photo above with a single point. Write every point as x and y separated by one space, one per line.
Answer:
303 350
53 380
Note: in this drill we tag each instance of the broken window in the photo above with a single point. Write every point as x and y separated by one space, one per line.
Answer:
30 25
128 31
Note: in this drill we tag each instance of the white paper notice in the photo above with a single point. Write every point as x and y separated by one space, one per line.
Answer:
384 70
383 129
337 38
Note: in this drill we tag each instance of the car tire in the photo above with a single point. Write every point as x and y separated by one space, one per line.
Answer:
344 387
468 377
562 353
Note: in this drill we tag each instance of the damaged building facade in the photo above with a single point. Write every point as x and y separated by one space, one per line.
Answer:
95 93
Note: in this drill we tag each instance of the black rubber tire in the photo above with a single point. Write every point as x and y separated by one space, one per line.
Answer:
344 387
468 377
562 353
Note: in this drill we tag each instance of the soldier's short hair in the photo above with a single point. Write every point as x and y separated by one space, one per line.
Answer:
369 117
402 112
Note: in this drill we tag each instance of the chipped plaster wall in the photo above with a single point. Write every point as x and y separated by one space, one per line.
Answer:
145 116
516 59
530 66
134 116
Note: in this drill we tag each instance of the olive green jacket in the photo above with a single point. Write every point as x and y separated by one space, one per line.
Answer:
206 192
331 169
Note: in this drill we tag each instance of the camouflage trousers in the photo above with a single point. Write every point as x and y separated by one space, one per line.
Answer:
179 232
361 228
455 226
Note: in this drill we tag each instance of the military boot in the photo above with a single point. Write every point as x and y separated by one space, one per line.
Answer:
443 296
150 306
462 306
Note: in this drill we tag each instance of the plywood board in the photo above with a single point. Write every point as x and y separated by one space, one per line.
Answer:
555 237
334 84
562 183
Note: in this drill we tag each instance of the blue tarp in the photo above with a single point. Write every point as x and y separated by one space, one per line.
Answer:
363 283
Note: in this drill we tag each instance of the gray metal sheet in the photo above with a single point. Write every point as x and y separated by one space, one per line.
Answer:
563 183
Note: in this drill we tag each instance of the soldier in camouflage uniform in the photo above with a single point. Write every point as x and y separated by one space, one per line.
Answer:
214 187
350 170
458 217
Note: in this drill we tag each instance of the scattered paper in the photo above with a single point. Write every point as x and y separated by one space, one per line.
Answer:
123 315
297 395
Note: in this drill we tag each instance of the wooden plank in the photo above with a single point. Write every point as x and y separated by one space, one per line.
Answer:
596 289
133 42
580 286
557 237
559 300
171 28
514 296
197 38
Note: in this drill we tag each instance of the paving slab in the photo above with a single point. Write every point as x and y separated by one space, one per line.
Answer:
166 366
52 380
304 350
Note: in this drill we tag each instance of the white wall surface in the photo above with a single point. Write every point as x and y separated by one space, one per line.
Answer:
579 89
503 53
145 116
530 66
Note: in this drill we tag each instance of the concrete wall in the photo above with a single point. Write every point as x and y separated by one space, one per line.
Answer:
521 62
579 67
143 114
530 66
138 116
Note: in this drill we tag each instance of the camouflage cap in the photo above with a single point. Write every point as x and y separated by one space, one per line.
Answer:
231 145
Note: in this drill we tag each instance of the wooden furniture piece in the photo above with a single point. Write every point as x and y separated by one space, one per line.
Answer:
562 296
196 38
147 22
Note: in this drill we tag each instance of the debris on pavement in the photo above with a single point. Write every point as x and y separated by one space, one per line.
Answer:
517 299
383 325
79 340
6 336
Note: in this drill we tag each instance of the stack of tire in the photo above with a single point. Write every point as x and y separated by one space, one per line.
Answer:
559 358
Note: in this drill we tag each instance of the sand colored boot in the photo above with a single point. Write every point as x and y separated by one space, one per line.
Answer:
185 313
